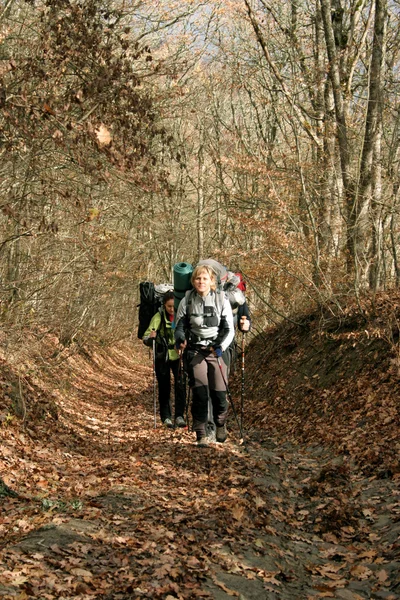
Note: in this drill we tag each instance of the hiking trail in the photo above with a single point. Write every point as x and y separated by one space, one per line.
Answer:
109 507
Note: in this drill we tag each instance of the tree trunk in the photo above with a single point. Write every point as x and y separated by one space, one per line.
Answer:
333 46
200 207
368 236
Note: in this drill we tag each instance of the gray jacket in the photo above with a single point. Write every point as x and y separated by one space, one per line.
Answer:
207 321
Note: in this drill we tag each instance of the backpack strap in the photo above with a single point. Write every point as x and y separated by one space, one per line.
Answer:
162 322
219 300
218 295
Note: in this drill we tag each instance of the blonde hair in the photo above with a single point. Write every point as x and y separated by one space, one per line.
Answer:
204 269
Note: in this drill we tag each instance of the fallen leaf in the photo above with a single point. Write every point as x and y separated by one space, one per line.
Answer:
82 573
103 136
361 572
238 513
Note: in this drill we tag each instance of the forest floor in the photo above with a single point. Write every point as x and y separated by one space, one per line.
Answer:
95 502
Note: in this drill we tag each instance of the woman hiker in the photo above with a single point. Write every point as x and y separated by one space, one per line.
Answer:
204 329
161 329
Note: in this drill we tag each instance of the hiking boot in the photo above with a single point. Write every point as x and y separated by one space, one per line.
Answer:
202 442
168 423
221 434
180 422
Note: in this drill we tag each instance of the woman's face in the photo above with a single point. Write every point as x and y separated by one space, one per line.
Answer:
202 283
169 306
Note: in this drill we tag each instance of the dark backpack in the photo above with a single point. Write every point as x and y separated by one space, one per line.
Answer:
150 302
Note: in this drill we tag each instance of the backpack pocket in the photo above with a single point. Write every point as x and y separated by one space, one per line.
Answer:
210 318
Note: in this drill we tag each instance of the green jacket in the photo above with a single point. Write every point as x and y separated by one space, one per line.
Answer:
165 334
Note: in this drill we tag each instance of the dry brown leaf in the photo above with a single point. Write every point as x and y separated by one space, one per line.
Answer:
361 572
82 573
238 513
193 562
259 502
103 135
225 588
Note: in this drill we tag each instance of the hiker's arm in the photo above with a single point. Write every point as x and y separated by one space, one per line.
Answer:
244 321
180 325
226 329
151 331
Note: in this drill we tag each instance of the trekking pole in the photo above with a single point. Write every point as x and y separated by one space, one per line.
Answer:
154 383
182 380
242 391
230 400
187 408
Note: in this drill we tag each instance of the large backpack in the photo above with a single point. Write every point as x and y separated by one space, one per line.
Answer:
227 281
150 302
221 273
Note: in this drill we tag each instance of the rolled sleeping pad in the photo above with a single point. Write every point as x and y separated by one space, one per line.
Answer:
182 273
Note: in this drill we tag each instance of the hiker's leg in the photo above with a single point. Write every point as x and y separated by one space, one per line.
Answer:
180 398
198 376
218 389
164 389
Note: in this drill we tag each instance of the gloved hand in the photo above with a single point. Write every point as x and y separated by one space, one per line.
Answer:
218 351
179 343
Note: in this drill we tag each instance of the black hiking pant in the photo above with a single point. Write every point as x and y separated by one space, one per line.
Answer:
163 374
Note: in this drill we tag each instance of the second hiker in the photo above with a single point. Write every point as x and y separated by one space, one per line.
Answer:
166 360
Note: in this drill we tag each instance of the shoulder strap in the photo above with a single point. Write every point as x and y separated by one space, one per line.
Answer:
219 300
162 321
189 295
188 298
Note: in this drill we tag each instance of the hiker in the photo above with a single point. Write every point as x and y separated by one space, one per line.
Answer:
161 329
204 329
235 287
243 314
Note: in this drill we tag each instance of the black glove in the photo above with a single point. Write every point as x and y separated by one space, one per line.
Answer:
178 343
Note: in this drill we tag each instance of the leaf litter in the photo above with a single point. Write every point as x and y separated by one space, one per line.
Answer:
101 504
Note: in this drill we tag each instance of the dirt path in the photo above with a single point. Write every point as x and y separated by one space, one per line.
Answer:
110 507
